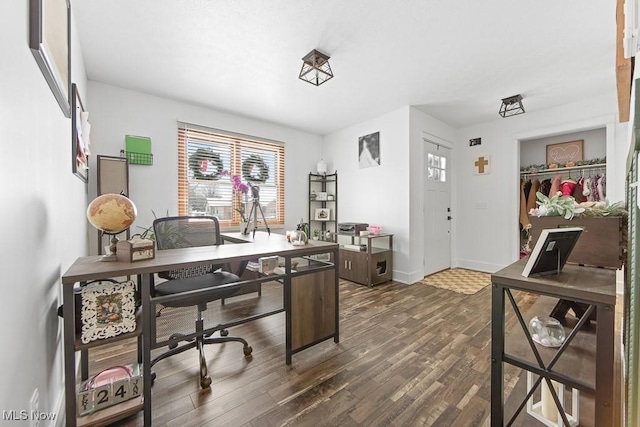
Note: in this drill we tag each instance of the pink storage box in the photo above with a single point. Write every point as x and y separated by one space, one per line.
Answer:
374 229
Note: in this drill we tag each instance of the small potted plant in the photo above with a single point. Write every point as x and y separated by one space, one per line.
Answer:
316 234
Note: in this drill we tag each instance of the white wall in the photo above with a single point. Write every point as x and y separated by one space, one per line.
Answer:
488 239
116 112
43 217
377 195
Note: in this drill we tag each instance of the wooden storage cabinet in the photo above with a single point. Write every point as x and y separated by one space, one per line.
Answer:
370 267
353 265
314 309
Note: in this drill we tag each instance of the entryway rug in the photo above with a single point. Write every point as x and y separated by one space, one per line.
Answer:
459 280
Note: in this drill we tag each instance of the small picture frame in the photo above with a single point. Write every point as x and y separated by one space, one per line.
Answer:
108 310
322 214
322 196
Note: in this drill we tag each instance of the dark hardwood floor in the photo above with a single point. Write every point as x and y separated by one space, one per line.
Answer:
408 355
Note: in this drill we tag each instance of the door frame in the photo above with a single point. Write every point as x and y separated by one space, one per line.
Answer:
433 139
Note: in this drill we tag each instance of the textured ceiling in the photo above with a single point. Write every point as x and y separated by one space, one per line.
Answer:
454 60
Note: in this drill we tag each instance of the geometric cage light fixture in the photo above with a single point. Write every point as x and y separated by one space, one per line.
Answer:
315 68
511 106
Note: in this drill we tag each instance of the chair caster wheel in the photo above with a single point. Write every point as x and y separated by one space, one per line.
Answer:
205 382
247 350
224 332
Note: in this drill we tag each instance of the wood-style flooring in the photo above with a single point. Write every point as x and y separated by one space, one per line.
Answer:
408 356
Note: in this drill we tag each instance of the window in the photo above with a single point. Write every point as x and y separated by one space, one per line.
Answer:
436 167
207 158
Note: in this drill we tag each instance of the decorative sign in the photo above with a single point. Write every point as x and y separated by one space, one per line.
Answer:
475 141
483 164
96 394
561 153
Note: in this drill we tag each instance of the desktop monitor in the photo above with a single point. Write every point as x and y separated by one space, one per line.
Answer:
551 251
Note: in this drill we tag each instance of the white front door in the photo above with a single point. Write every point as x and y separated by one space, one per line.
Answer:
437 209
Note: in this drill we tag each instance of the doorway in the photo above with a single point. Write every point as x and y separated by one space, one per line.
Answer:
437 208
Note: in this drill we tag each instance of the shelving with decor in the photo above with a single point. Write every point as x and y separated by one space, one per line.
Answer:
110 404
323 205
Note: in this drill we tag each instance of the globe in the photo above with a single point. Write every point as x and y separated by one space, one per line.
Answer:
111 213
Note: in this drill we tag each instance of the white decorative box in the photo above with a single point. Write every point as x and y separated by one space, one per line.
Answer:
136 249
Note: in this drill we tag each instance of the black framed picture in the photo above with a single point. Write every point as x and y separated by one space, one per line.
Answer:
50 43
369 150
80 130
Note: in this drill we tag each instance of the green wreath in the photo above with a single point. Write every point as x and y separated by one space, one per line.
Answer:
201 155
250 164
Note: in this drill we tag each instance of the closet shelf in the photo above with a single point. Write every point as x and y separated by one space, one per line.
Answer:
572 168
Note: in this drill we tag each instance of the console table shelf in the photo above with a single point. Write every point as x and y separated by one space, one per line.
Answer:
594 287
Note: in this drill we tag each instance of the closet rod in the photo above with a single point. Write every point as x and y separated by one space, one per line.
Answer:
572 168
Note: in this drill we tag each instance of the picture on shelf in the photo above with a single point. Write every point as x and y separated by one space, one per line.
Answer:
108 309
323 214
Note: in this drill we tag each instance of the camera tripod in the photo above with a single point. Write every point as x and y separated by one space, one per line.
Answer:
253 213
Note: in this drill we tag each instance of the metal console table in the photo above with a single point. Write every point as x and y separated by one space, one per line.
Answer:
593 287
310 304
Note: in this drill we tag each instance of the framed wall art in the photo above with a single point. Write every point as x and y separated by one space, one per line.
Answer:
50 43
563 152
369 150
80 130
322 214
108 309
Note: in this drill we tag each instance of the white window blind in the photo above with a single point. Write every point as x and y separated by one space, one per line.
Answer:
203 187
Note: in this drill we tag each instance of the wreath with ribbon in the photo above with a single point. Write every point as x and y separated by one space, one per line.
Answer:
201 158
251 164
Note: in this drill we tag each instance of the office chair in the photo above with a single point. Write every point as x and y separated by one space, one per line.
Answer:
185 232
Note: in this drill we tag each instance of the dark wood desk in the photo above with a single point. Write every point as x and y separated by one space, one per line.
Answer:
593 287
310 299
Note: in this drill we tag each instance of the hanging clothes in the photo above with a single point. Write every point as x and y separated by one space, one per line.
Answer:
594 188
545 187
601 187
527 189
567 186
524 215
586 189
531 198
555 185
577 192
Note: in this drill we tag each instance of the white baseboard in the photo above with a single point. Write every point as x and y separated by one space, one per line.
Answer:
478 266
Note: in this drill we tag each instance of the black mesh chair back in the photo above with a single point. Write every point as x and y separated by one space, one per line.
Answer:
179 232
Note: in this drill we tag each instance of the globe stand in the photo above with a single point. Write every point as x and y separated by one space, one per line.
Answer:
111 256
